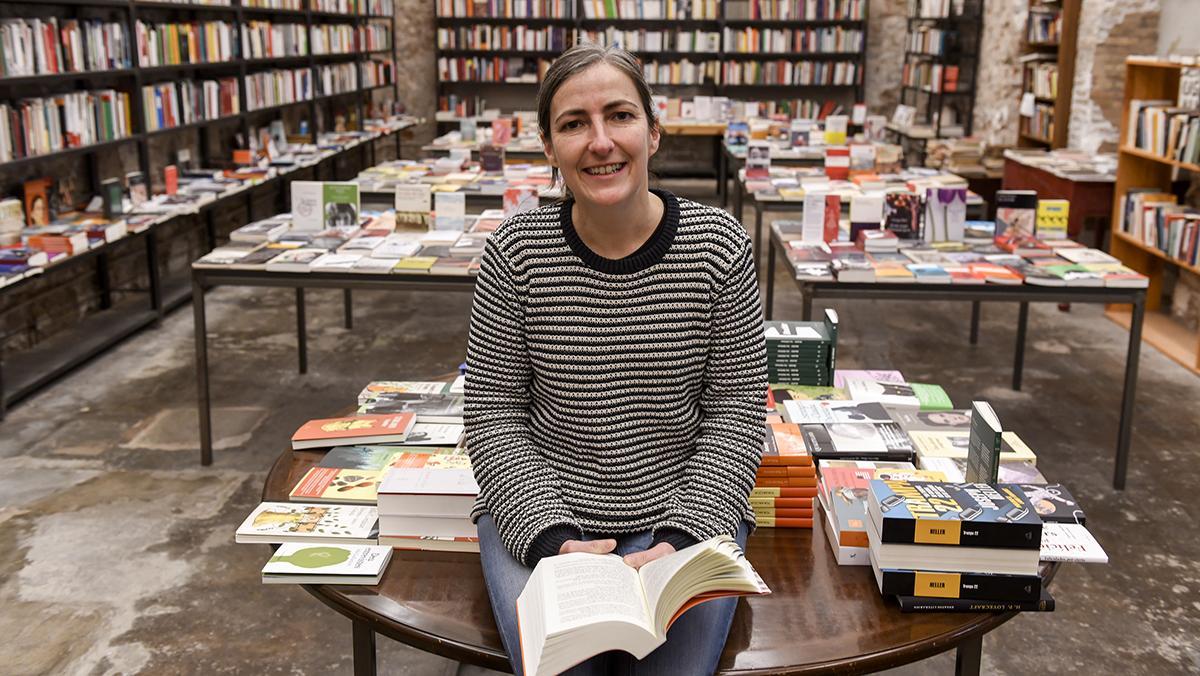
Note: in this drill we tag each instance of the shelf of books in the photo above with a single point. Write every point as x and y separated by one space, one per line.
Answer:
1153 231
1047 72
743 48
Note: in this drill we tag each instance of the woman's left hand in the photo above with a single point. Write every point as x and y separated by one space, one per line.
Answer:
639 559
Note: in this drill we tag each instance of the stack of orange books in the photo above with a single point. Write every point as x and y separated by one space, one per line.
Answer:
786 482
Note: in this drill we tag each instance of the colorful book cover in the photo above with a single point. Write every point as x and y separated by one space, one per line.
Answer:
781 392
326 432
1052 217
931 397
1054 503
277 522
1015 210
960 514
979 586
431 474
784 445
332 484
327 564
901 214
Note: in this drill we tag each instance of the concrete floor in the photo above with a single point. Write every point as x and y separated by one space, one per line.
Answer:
116 548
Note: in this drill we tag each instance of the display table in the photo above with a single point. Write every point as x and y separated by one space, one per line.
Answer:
820 618
1023 294
1090 194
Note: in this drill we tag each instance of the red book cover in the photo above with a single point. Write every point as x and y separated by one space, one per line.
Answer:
833 212
837 163
784 513
785 446
171 179
358 429
781 503
784 482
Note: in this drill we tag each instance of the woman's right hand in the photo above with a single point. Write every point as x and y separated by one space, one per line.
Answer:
588 547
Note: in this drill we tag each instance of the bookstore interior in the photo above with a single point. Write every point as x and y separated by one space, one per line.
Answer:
413 366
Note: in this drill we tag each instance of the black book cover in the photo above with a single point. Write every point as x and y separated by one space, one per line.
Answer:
964 514
979 586
1054 503
925 604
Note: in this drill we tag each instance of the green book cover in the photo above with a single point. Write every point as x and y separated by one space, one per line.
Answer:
932 397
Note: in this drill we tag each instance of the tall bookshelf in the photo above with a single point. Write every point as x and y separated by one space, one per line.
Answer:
1136 168
722 21
941 62
133 78
1048 71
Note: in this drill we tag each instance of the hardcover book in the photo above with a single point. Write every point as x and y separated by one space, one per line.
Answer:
964 514
364 429
278 522
578 605
327 564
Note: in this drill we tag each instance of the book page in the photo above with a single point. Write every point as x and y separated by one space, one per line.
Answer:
582 589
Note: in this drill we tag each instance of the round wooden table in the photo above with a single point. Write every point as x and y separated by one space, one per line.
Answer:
819 618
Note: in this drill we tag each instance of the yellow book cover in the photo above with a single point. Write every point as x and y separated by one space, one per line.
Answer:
1052 216
415 264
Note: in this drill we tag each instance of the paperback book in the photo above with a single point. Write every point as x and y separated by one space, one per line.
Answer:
327 564
279 522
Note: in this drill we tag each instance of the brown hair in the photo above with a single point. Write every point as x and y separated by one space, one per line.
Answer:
579 58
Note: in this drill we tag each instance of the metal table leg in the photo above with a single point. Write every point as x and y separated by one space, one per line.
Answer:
364 649
203 404
348 306
1132 356
770 278
1019 357
967 657
156 303
975 305
301 333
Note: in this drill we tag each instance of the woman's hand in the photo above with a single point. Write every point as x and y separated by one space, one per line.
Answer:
588 547
639 559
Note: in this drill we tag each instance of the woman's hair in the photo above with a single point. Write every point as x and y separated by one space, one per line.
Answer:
578 59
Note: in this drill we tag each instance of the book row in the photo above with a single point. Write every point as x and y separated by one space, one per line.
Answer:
831 39
47 46
1159 221
930 77
216 41
337 78
796 10
650 9
72 120
1041 78
507 9
930 9
493 69
804 73
681 72
1039 124
173 104
1165 129
654 40
930 40
512 38
264 40
1044 27
368 7
179 43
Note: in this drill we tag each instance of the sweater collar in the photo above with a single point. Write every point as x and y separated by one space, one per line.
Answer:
647 255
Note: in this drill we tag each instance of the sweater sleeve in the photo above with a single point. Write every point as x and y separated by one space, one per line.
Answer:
720 473
517 485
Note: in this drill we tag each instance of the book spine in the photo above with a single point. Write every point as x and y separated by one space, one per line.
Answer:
972 534
923 604
961 585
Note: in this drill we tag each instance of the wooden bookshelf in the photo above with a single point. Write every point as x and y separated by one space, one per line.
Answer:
1136 168
1061 53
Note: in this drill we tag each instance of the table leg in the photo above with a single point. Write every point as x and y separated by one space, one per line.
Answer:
967 657
975 305
770 278
348 305
301 332
156 303
1132 356
364 649
1019 357
203 403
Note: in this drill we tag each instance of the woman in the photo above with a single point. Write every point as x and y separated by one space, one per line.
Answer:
616 380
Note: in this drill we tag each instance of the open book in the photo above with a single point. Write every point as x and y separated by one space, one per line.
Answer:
579 605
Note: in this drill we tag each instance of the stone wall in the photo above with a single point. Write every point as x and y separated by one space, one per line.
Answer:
886 28
998 88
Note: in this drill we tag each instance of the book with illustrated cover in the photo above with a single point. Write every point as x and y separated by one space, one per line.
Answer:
321 205
840 376
338 485
807 412
901 214
326 564
1052 217
963 514
893 395
1016 210
578 605
362 429
279 522
429 408
778 393
1054 503
857 440
372 457
784 445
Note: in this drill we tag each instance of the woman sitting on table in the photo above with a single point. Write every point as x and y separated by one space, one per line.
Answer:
616 379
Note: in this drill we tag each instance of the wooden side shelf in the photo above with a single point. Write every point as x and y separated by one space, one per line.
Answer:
1138 168
1063 53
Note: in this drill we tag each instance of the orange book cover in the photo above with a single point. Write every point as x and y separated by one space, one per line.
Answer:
338 484
785 482
358 429
768 522
784 471
780 503
783 492
785 446
784 513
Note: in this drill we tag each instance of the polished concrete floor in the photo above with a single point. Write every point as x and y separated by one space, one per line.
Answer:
117 553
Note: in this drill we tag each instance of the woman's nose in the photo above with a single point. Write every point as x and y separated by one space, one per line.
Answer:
601 143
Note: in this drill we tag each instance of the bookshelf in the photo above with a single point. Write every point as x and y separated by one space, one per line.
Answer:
1148 79
941 60
229 71
744 49
1048 72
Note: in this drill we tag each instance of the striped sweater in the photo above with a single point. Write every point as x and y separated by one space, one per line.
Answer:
615 396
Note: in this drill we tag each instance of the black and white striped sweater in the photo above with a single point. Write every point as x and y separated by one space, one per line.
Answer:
615 396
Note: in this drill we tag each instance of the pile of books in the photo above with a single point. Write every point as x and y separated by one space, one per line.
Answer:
802 353
786 481
425 502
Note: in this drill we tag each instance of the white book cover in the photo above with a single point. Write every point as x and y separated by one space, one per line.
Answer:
335 261
1070 542
279 522
431 474
893 394
1086 256
414 197
398 245
450 209
295 260
327 564
434 434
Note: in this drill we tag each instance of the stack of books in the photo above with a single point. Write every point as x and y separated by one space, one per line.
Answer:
425 502
786 481
802 353
966 547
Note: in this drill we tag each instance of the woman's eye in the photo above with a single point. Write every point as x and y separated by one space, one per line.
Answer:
573 124
623 116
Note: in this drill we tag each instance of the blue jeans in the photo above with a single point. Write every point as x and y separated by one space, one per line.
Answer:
694 641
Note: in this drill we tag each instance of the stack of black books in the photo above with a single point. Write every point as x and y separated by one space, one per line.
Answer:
957 547
802 353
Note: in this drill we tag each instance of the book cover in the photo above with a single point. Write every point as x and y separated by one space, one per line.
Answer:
937 584
37 201
327 432
925 604
278 522
430 474
335 485
326 564
901 214
321 205
1054 503
784 445
1015 210
869 441
962 514
984 444
1070 542
758 160
1052 217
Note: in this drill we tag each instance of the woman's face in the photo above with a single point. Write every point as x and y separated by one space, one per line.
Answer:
600 138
